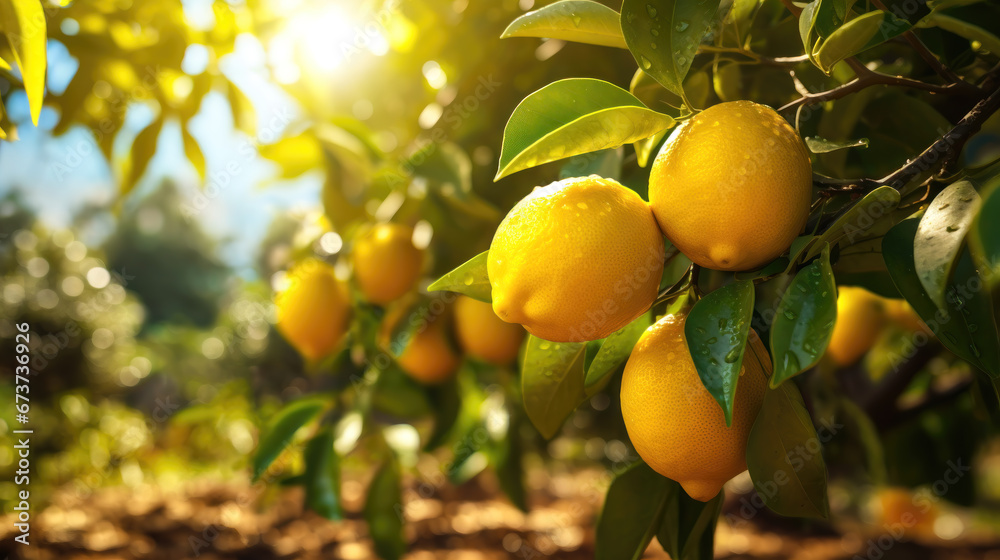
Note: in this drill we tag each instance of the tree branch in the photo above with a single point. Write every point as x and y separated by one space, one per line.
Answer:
880 403
866 80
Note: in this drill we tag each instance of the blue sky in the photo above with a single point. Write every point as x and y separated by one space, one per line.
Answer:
240 214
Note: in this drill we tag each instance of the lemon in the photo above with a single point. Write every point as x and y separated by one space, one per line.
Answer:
899 508
675 424
861 315
483 335
731 187
576 260
386 263
428 356
313 310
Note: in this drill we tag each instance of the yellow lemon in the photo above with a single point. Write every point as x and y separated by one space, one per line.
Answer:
483 335
674 422
899 508
428 356
576 260
313 309
386 263
860 318
731 187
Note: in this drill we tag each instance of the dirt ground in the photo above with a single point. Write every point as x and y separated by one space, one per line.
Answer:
234 521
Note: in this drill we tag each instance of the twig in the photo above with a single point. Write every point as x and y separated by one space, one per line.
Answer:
880 403
925 53
867 80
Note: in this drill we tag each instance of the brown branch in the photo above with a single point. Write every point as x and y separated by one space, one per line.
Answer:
925 53
866 80
880 403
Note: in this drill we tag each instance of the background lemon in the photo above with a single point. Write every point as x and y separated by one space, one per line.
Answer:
861 315
313 309
576 260
428 356
731 187
386 263
899 508
675 424
483 335
902 313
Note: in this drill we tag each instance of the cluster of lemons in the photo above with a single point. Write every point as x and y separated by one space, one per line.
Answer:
314 309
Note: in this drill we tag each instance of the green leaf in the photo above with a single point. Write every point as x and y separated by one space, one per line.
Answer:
952 324
552 382
615 349
579 21
645 148
687 531
807 24
193 152
830 15
470 278
787 471
23 23
574 116
856 36
870 440
940 237
632 513
819 145
446 404
716 331
803 322
605 163
854 224
664 36
281 430
142 152
984 239
322 476
446 165
972 32
508 457
384 511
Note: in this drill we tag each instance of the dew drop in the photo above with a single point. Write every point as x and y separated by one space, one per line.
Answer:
733 355
951 229
791 362
651 10
654 32
681 26
577 20
712 340
646 64
699 330
652 46
722 323
545 345
789 314
681 60
469 280
713 361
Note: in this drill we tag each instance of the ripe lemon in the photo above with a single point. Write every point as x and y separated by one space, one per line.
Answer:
899 508
386 263
674 422
428 356
576 260
483 335
731 187
313 309
860 318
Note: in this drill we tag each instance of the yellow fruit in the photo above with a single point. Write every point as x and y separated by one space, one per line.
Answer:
576 260
899 508
314 309
731 187
386 263
428 356
901 312
674 422
483 335
860 318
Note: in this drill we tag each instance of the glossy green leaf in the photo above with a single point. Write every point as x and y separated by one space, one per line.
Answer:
819 145
855 224
470 278
645 148
281 429
446 165
322 476
687 531
142 152
580 21
716 331
508 458
869 438
605 163
193 152
807 25
941 235
384 511
632 513
446 404
970 31
614 351
830 15
787 470
950 324
984 237
552 382
664 36
23 23
574 116
803 322
858 35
